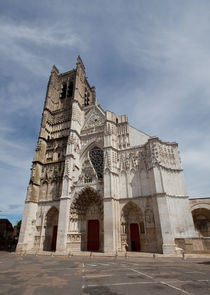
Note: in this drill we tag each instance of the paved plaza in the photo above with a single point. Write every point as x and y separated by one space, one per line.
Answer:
103 275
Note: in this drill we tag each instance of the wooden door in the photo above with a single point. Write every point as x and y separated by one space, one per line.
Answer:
135 240
93 235
54 237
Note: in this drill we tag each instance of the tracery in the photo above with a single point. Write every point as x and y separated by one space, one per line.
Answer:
96 157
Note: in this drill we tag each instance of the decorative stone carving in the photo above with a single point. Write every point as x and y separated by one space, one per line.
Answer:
123 136
107 161
74 140
83 200
74 237
52 172
86 205
88 139
148 156
128 160
88 173
33 172
39 146
93 118
67 169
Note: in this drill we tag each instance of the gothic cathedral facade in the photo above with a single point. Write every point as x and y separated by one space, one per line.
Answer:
98 183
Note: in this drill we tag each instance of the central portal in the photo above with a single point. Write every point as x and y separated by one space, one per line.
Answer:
86 231
93 235
135 241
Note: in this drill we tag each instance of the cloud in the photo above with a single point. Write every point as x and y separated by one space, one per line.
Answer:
50 36
21 43
179 65
149 60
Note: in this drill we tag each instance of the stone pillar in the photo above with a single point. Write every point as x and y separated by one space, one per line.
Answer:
63 222
168 245
26 238
109 226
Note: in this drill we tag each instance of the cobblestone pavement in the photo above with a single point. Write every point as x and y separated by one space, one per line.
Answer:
102 275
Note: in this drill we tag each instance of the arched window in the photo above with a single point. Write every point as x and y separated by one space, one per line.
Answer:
63 90
70 90
86 98
96 157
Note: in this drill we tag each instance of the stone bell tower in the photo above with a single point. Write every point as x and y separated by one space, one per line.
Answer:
49 158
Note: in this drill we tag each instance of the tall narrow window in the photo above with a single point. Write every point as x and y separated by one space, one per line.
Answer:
63 91
87 98
70 90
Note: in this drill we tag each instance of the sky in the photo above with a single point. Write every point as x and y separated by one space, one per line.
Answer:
148 59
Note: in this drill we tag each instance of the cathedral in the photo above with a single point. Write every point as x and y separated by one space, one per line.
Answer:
97 183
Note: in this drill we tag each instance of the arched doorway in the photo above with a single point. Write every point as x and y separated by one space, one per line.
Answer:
86 222
131 225
201 218
51 227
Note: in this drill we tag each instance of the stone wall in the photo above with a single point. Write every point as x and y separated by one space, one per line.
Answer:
194 245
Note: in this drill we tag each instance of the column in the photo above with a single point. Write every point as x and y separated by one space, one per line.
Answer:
168 245
109 226
26 238
63 222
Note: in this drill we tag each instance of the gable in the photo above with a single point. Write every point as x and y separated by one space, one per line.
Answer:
94 117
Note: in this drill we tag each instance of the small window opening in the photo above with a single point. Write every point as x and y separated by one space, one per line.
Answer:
117 121
63 90
87 100
59 155
70 90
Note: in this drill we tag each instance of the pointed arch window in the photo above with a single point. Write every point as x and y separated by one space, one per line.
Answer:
97 159
70 90
63 90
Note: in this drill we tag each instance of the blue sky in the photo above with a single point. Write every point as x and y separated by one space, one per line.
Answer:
148 59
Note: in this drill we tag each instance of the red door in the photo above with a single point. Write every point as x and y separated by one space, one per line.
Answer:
54 237
93 235
135 241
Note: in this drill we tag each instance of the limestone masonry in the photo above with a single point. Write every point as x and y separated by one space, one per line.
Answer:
97 183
